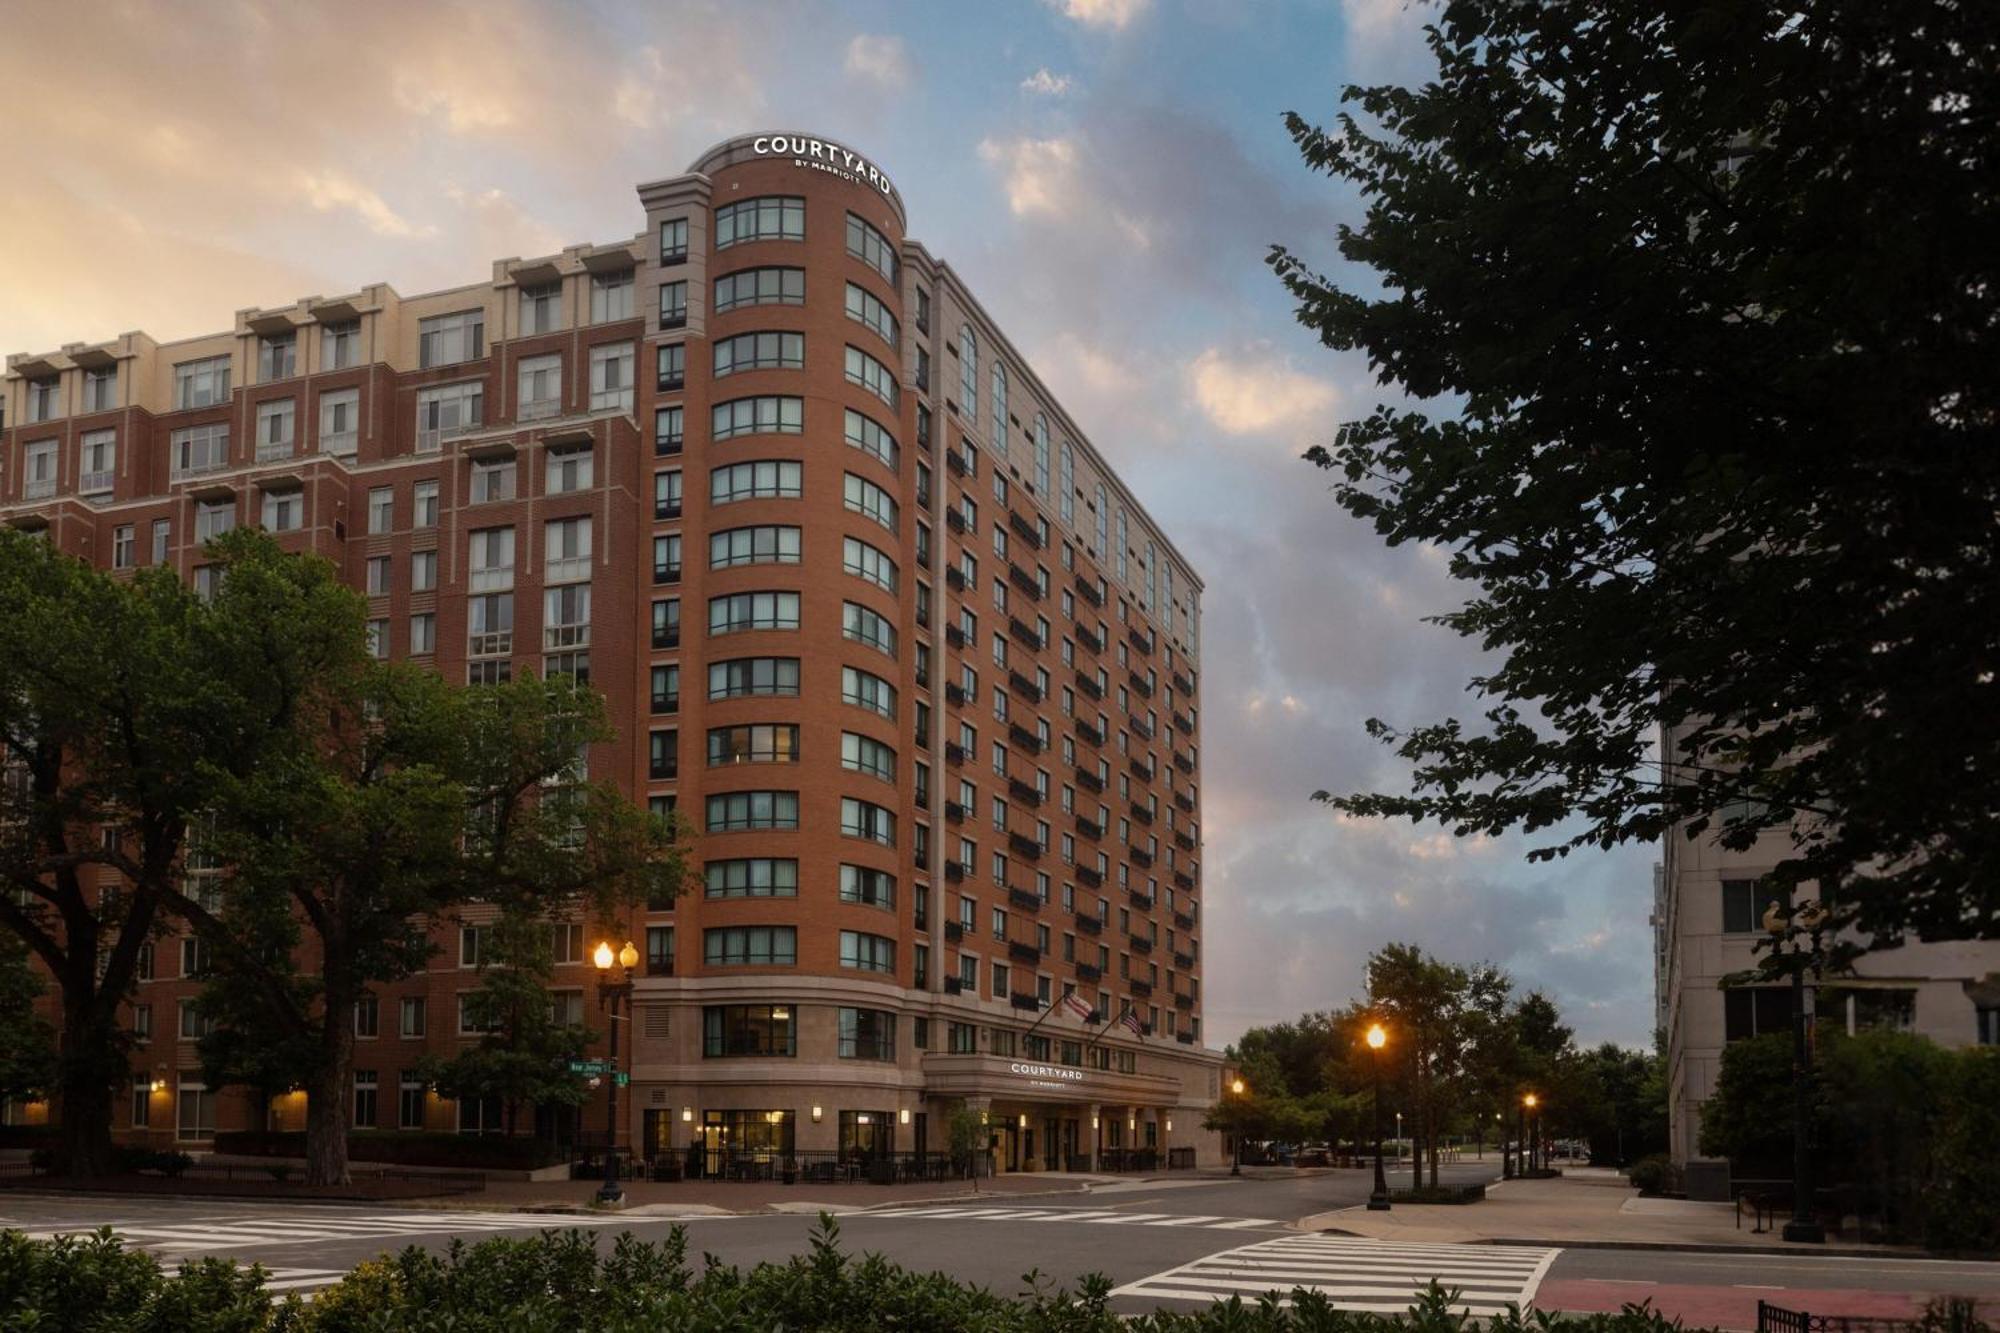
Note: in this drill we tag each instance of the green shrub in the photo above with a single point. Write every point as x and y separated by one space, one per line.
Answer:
557 1282
1965 1203
1654 1175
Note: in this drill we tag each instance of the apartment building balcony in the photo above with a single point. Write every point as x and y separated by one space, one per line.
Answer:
954 872
954 636
954 520
1024 846
1139 943
1024 687
1141 813
954 753
1023 737
1184 961
40 488
1185 765
1140 770
1184 922
1089 925
1090 829
1089 781
1089 735
1182 685
954 931
1142 642
1141 987
1024 581
1141 900
1088 591
954 813
1024 529
1140 727
1085 875
1023 633
1025 899
1184 1002
1087 682
954 578
1183 841
1140 857
1090 641
1025 792
1026 1000
1089 972
1021 952
1182 880
1184 801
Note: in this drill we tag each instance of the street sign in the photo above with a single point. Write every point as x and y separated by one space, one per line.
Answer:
622 1078
589 1067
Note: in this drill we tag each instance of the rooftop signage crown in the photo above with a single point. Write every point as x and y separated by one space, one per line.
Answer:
823 155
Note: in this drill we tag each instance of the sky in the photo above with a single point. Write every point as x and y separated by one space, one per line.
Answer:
1107 175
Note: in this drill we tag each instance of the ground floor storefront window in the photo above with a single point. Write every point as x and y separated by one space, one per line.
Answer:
745 1143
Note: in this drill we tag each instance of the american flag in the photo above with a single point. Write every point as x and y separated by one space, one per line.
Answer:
1130 1019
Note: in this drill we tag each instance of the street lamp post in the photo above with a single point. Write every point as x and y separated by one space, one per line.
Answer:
1378 1201
1236 1163
1527 1148
1803 1226
609 993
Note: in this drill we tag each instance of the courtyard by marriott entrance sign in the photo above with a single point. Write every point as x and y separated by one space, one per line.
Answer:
1046 1076
823 155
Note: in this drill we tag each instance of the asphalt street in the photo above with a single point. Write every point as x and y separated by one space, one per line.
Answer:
1169 1242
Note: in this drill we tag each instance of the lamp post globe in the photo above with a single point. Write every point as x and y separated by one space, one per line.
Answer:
1236 1160
609 993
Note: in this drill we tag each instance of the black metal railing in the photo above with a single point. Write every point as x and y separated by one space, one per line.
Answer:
826 1166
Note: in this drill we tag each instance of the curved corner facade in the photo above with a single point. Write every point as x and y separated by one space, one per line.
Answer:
874 617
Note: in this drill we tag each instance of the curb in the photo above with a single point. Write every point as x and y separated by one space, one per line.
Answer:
1718 1247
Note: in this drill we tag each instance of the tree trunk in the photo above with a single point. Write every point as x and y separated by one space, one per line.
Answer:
329 1109
88 1071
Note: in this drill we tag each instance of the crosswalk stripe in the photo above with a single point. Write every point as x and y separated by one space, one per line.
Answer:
1100 1216
1196 1220
1122 1218
1355 1274
1244 1223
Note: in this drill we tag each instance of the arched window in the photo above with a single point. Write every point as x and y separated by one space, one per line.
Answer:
999 407
968 374
1068 483
1041 455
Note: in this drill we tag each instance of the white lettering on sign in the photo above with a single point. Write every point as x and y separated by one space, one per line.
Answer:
1046 1071
822 155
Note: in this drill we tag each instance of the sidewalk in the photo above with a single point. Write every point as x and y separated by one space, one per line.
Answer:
1586 1206
716 1197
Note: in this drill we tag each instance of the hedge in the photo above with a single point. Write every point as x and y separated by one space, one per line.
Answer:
557 1282
472 1152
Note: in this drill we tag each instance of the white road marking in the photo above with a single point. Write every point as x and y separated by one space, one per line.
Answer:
1357 1274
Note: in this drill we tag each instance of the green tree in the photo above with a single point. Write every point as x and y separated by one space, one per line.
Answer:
1434 1013
27 1042
349 843
1748 1118
524 1048
1693 312
115 719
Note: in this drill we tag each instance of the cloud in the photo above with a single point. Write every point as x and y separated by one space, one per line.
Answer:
328 190
1039 175
1258 391
1044 84
883 61
1112 14
1390 34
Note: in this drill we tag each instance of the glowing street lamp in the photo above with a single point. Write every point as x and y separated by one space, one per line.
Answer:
1236 1165
609 993
1378 1201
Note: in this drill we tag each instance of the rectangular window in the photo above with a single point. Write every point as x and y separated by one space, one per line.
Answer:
198 449
610 296
123 547
1744 902
752 877
194 1113
674 241
410 1093
447 339
212 518
411 1021
730 812
367 1017
659 951
423 634
673 304
669 431
539 388
340 345
868 953
1751 1011
284 510
364 1098
163 535
492 480
100 462
425 496
448 412
611 378
100 388
423 571
541 308
672 366
866 1034
566 542
275 427
748 1030
750 946
201 383
340 422
277 357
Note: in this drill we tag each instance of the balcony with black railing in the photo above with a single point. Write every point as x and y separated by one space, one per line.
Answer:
1090 641
1024 581
1090 829
1140 857
953 986
954 871
1141 727
1024 687
1141 987
1183 880
1185 1038
954 520
1182 685
1087 682
1140 898
954 578
1183 841
1025 792
1183 723
1088 591
1140 768
954 931
1087 876
1183 920
1024 846
1141 813
1140 943
1142 642
1089 924
1140 685
1025 1000
954 753
954 813
1184 961
1184 801
1089 735
1022 952
1024 737
1089 972
1183 763
1089 781
954 463
954 694
1025 899
954 636
1023 633
1025 529
1184 1002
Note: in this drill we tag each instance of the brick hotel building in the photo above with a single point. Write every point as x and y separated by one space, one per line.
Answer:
868 610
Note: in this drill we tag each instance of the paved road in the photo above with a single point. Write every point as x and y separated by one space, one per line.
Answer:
1174 1242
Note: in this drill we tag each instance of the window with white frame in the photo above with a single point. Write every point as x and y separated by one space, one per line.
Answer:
490 624
277 357
566 617
611 378
340 345
872 375
200 449
541 308
100 388
276 421
492 479
444 340
284 510
610 296
38 469
448 411
492 559
100 461
861 559
423 571
381 510
203 383
123 546
540 388
340 422
423 633
425 496
212 518
569 469
567 541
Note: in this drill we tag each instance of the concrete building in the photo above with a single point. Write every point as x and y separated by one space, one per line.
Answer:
867 606
1708 912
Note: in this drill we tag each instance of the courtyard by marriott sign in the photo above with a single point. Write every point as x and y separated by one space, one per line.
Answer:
1046 1076
823 155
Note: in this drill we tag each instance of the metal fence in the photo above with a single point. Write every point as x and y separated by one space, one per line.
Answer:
1777 1319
